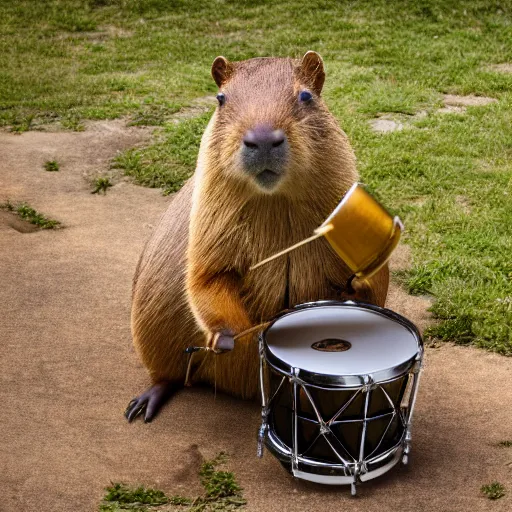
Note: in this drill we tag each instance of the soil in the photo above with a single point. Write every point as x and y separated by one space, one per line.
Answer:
505 67
68 368
467 101
453 104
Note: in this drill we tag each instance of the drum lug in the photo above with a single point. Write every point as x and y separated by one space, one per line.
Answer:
368 384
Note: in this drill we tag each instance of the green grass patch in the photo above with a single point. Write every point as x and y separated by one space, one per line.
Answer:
30 215
448 176
72 121
51 166
123 495
493 491
171 160
101 184
221 492
152 115
450 180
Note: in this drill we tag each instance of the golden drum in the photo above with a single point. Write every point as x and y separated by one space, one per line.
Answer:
362 232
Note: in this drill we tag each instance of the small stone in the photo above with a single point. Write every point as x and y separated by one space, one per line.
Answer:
422 114
451 109
467 101
464 204
385 125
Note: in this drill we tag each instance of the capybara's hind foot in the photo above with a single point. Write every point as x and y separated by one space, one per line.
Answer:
150 402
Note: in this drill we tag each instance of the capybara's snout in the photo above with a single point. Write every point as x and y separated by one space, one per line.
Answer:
265 152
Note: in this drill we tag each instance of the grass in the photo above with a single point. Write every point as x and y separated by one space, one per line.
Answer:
449 176
101 184
221 493
30 215
505 444
170 161
120 495
51 166
493 491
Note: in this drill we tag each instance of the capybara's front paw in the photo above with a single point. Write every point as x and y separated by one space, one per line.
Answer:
150 402
223 341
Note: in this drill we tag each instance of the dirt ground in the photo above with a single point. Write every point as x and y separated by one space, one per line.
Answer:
68 368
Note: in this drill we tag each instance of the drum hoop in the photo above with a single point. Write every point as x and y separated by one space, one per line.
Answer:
346 382
284 453
343 381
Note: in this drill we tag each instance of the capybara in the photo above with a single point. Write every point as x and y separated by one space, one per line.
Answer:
273 163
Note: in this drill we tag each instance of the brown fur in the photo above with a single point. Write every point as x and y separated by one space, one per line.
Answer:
193 279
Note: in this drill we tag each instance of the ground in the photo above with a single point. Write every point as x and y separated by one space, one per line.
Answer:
69 369
105 95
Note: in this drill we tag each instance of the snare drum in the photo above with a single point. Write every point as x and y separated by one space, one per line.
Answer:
338 382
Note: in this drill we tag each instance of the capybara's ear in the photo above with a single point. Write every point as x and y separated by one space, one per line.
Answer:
312 68
221 70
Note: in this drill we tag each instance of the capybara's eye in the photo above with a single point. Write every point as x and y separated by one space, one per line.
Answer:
305 96
221 98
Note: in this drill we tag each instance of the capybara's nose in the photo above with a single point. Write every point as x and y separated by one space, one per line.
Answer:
265 154
263 138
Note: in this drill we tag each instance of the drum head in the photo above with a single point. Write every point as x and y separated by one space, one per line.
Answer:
347 339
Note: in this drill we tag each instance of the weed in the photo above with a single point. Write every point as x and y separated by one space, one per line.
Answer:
493 491
221 493
30 215
22 124
219 485
152 115
72 121
505 444
120 493
51 166
101 184
180 500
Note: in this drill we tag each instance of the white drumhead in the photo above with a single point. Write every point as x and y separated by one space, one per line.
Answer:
377 342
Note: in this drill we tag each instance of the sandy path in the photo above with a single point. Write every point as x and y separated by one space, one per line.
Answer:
68 368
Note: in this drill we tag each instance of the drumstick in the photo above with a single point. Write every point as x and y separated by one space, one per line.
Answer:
318 233
258 327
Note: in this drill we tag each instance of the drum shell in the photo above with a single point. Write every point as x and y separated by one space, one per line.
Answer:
385 431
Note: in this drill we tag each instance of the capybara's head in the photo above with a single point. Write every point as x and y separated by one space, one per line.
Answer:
271 129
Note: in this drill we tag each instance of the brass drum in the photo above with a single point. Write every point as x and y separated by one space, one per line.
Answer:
362 232
339 382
